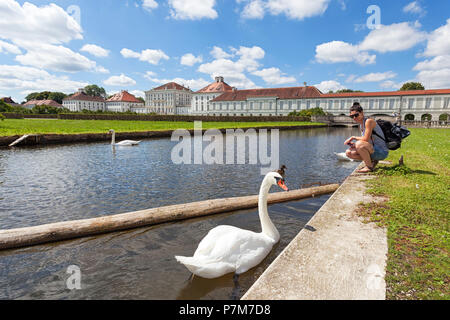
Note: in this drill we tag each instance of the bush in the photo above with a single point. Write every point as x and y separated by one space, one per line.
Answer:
2 117
308 113
45 109
4 107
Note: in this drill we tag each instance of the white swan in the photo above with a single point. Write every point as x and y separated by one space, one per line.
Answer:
122 143
229 249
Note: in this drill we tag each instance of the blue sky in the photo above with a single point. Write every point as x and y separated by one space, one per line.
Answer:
140 44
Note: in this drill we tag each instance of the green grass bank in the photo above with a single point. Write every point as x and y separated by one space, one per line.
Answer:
416 215
11 127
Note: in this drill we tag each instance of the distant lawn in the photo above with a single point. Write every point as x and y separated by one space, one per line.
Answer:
416 216
11 127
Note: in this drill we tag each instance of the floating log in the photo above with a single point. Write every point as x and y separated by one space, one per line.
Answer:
22 237
19 140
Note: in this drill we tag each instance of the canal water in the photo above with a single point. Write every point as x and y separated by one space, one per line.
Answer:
58 183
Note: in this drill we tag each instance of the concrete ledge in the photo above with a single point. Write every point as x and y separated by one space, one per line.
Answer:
336 256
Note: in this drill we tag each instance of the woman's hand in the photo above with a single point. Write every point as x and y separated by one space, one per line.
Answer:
349 140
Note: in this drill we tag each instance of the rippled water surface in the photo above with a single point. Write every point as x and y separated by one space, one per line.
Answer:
49 184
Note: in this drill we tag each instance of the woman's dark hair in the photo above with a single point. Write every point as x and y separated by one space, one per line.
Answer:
356 107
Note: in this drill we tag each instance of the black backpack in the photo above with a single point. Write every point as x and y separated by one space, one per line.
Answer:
393 133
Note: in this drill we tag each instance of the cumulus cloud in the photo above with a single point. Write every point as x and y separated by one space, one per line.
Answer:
189 59
234 71
41 32
389 38
149 5
95 50
273 76
293 9
433 72
120 81
30 79
6 47
329 85
339 51
394 37
219 53
29 23
193 84
414 7
149 55
372 77
192 9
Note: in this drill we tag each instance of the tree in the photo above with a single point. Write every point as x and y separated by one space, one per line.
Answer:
95 91
57 96
141 99
2 117
412 86
46 95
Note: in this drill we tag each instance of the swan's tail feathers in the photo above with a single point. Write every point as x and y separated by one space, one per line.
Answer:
205 269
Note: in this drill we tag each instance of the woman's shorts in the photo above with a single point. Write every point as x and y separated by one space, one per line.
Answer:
378 153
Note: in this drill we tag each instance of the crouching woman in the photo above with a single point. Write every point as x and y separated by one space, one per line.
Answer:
368 148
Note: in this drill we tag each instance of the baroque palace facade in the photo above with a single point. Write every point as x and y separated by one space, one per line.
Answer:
220 99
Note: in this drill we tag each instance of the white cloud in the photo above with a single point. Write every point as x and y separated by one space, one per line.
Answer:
234 71
149 5
29 79
339 51
254 10
219 53
193 84
6 47
273 76
293 9
192 9
389 84
29 23
149 55
56 58
394 37
439 41
138 93
373 77
434 72
189 59
95 50
413 7
326 86
120 81
297 9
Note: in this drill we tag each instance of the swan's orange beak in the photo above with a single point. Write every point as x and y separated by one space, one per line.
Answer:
282 185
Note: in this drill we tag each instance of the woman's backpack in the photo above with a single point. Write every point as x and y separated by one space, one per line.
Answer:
393 133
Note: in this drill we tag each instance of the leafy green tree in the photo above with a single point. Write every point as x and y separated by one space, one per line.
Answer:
141 99
412 86
95 91
4 107
57 96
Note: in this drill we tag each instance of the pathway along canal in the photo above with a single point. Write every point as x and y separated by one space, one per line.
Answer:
48 184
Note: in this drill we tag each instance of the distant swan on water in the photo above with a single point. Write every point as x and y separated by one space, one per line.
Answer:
228 249
122 143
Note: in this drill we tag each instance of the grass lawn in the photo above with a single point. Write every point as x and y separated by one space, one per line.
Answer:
416 215
10 127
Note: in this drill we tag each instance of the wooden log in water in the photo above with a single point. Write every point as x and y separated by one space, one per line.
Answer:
22 237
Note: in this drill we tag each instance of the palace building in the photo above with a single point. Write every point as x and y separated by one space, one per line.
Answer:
170 98
202 97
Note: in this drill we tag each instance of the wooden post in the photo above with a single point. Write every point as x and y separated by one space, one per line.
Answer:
21 237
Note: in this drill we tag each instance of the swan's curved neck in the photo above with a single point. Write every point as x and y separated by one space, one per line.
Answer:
268 228
113 138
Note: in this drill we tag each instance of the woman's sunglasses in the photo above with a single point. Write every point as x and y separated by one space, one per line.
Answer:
355 115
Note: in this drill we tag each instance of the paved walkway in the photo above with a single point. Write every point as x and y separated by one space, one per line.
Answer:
336 256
